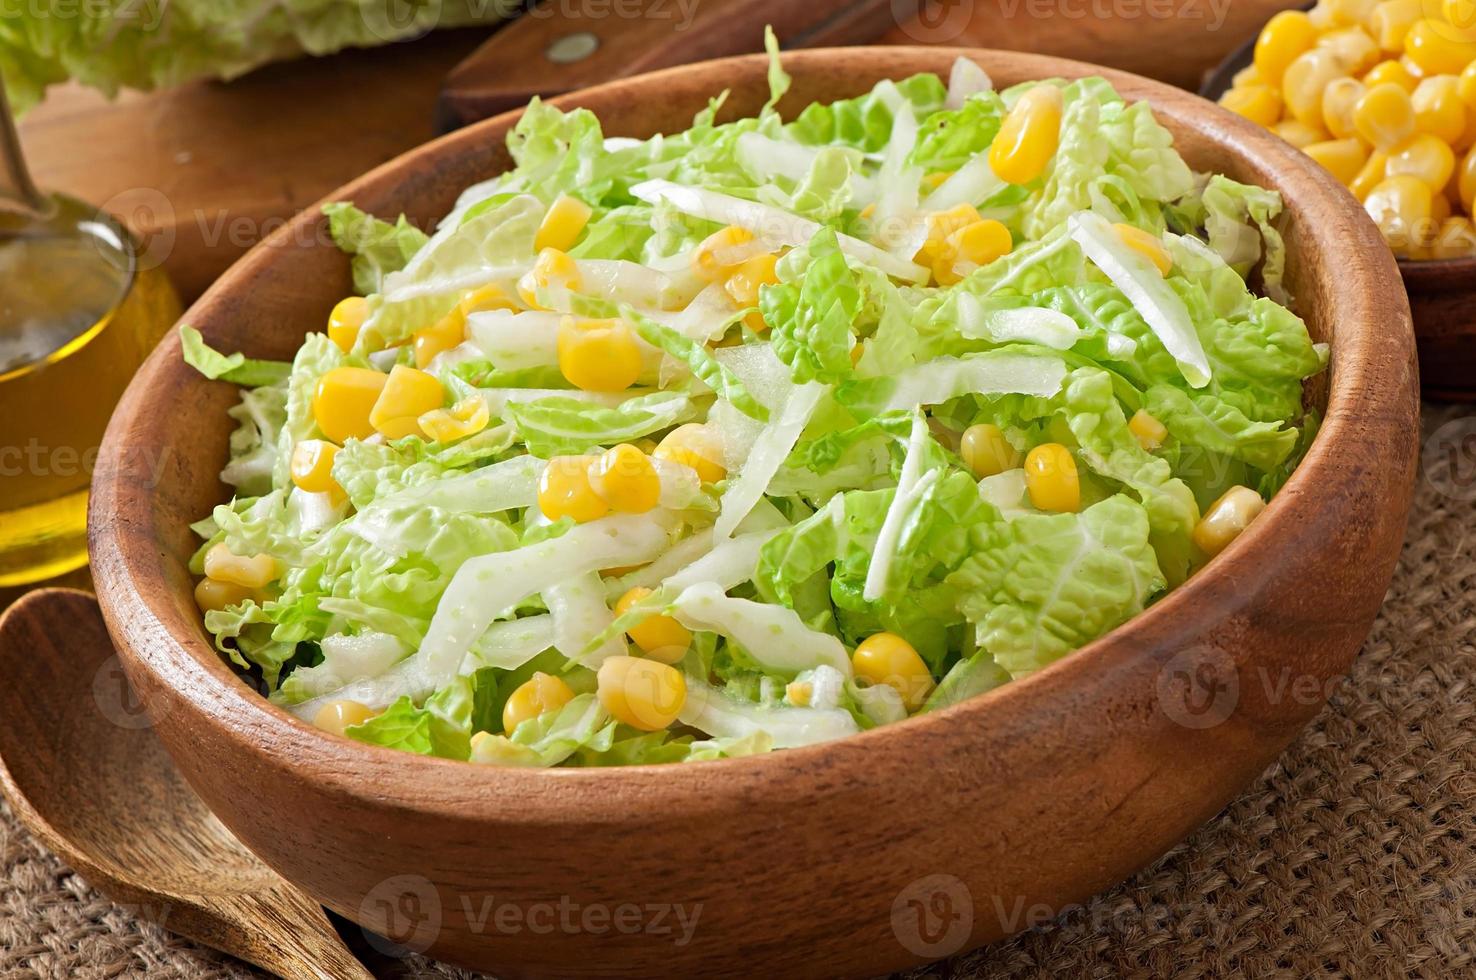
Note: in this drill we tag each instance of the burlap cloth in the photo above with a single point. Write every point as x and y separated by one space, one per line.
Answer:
1355 854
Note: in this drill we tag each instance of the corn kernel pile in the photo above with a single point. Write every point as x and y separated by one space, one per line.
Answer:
1382 93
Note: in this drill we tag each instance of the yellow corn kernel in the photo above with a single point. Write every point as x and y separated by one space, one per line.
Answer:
1345 13
886 658
1051 478
343 399
1305 79
337 717
1440 208
251 571
484 298
1246 76
1401 206
743 282
1370 176
1146 244
1341 158
1392 72
598 355
1322 17
721 251
941 263
1384 116
440 336
1468 134
312 466
1391 20
697 446
1354 47
346 319
467 417
1284 37
561 225
1226 518
1412 68
1028 137
536 695
1149 432
943 224
212 595
1338 100
1424 156
1433 46
1460 18
936 250
642 693
1261 104
553 269
408 394
1466 85
1298 133
1439 109
753 320
564 491
1452 189
661 637
1466 181
980 242
1455 240
625 479
799 693
986 451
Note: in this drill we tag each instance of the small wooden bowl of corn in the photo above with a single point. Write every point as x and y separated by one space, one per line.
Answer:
1382 93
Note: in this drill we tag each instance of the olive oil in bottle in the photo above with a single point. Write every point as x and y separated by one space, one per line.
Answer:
78 314
79 310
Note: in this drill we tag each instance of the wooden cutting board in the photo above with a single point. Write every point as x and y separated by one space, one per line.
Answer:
205 170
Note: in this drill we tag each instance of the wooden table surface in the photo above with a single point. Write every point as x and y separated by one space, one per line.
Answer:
207 169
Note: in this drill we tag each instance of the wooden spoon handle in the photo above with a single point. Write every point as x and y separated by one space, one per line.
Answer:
171 845
557 47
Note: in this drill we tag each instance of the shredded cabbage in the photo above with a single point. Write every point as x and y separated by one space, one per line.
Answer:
774 448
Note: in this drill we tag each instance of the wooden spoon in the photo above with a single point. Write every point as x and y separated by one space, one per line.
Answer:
84 771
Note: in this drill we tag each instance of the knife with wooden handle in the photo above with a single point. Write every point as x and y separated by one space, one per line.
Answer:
561 45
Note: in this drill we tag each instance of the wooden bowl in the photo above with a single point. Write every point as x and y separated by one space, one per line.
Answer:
1442 292
898 845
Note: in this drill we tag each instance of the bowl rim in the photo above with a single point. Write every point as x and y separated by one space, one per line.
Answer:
1370 389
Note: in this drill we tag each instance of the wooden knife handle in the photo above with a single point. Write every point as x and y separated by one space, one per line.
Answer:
562 45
